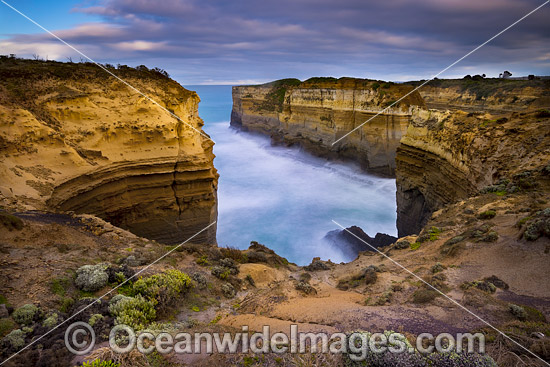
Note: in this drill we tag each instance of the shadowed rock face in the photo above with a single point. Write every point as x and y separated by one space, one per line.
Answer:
354 242
437 156
78 140
449 156
317 112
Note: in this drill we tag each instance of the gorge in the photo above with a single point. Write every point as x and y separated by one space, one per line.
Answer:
438 153
99 183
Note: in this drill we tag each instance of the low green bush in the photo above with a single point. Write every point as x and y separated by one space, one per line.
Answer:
25 314
136 312
415 246
424 295
11 222
488 214
163 288
100 363
6 326
15 339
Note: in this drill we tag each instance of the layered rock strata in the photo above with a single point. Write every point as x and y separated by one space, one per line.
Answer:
76 139
319 111
438 153
450 156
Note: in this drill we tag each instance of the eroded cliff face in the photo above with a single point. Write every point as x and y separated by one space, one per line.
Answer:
317 112
76 139
449 156
438 153
486 95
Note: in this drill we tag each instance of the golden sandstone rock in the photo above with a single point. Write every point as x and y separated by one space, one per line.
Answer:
74 138
438 152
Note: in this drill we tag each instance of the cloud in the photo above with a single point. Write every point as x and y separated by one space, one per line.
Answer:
253 40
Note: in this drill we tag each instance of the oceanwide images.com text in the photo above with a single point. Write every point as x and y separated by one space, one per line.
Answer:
80 340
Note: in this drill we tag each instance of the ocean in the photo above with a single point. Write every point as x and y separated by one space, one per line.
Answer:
283 197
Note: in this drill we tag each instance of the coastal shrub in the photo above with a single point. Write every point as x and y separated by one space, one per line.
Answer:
517 311
488 214
539 226
228 290
118 274
234 254
91 278
348 282
6 325
95 318
163 288
438 281
415 246
256 257
490 236
59 286
51 321
454 240
136 312
305 288
15 340
231 265
316 265
220 272
100 363
25 314
434 233
409 357
370 276
202 261
375 85
424 295
11 222
250 280
497 282
403 244
386 297
200 280
483 285
438 267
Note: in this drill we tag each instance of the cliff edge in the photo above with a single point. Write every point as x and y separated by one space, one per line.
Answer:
315 113
74 138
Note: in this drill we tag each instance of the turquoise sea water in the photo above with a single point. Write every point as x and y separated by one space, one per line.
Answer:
285 198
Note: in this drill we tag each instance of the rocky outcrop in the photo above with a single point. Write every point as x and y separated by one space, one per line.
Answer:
485 95
450 156
317 112
76 139
353 240
438 153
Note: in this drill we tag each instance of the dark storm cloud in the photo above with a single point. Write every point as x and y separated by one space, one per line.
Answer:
269 39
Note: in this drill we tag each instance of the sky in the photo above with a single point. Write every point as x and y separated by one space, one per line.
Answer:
251 41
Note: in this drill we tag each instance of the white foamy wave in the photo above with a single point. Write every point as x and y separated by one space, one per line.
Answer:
286 199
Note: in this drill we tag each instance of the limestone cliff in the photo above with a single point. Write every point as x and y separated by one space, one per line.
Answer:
449 156
438 152
74 138
485 95
317 112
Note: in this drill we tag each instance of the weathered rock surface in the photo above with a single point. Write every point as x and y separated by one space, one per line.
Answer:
438 153
354 242
449 156
76 139
485 95
317 112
